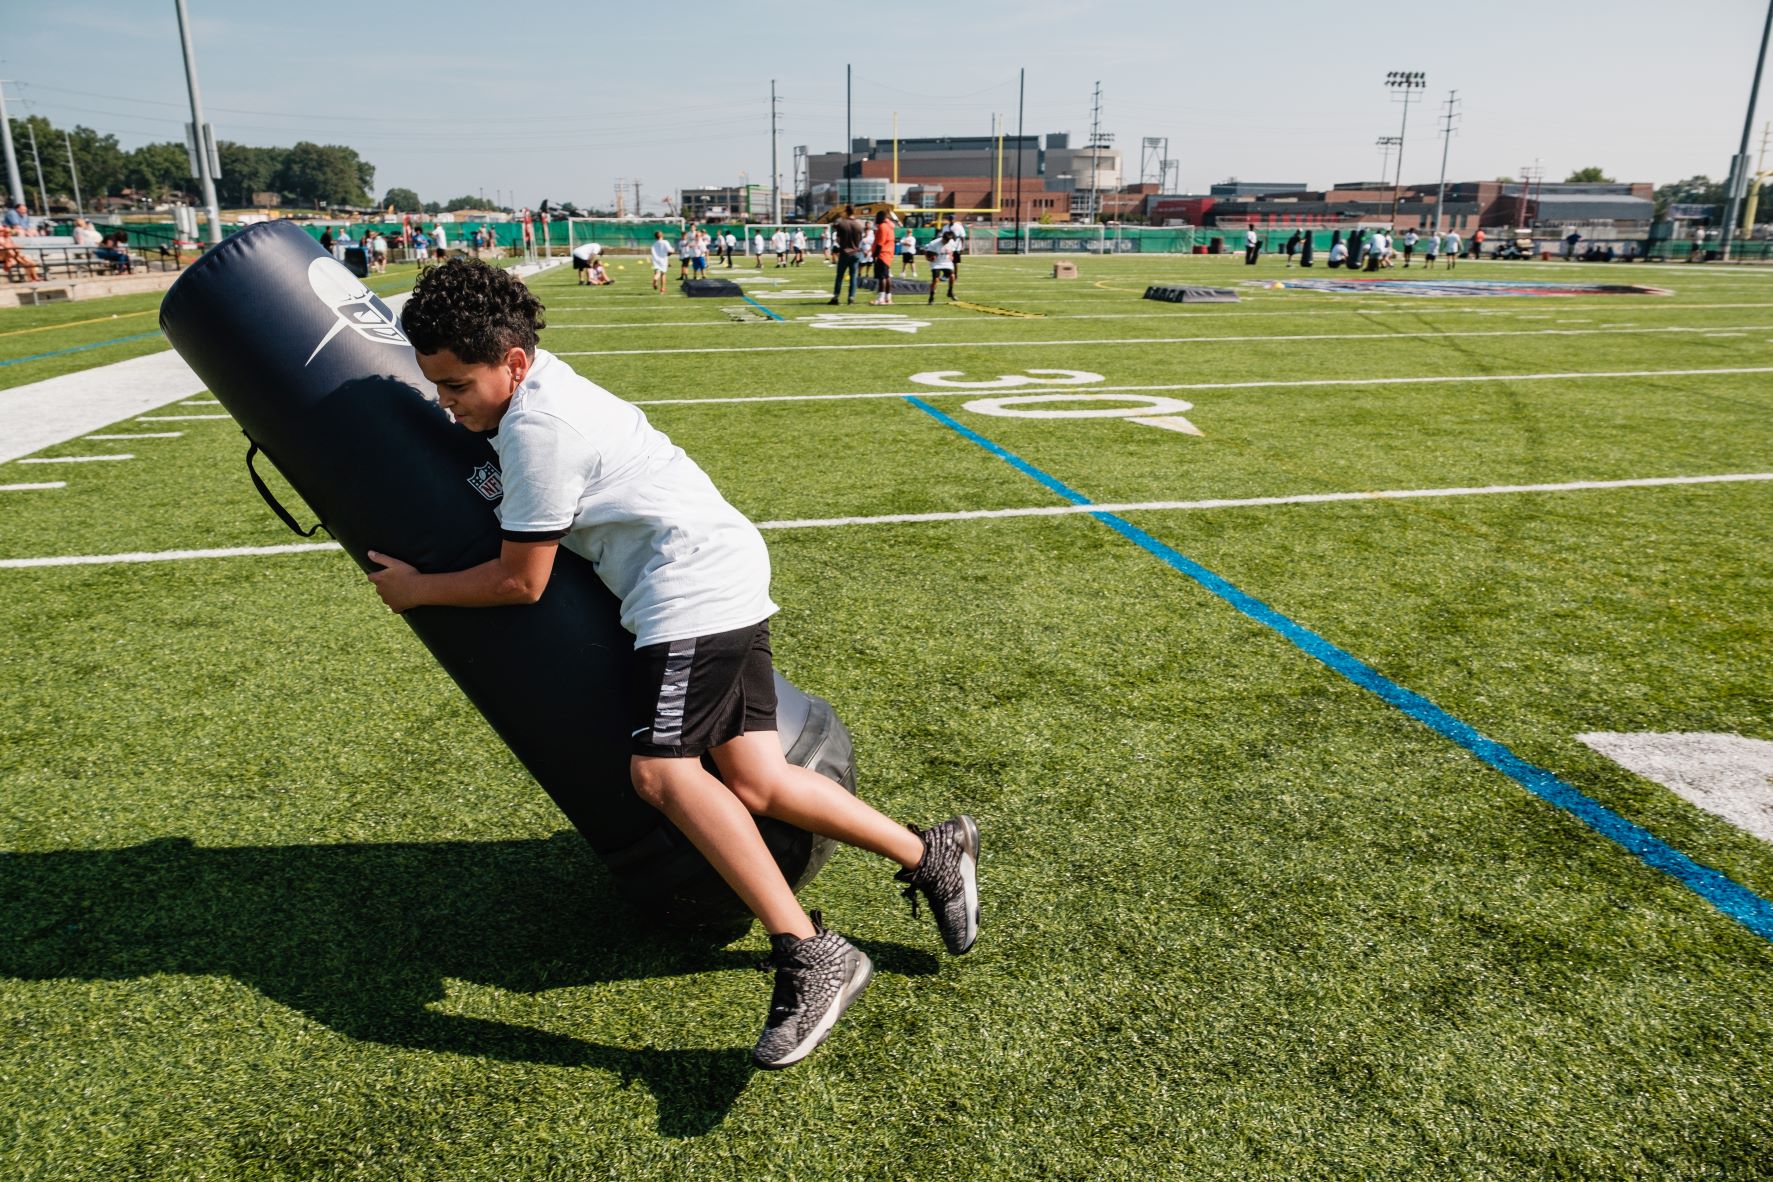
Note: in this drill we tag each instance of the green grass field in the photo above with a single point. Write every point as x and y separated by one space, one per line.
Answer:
278 905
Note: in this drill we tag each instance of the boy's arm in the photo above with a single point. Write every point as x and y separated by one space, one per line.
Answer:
518 575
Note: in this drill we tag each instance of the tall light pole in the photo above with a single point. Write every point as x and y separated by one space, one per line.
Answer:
204 141
1408 82
1739 172
16 187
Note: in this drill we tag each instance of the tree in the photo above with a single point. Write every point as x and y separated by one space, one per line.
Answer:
403 201
325 175
98 159
246 171
1695 190
433 207
159 170
456 203
1589 175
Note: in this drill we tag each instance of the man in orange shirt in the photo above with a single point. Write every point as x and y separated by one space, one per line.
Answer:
883 257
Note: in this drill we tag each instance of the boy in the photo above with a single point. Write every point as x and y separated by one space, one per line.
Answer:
941 254
661 252
908 253
585 470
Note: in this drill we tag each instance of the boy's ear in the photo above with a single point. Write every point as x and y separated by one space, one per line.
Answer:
519 363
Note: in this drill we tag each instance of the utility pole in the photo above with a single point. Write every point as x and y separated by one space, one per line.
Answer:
775 170
1095 151
1440 193
1408 82
1530 175
16 186
1739 169
37 161
205 138
1021 92
621 197
79 206
849 131
1385 144
637 197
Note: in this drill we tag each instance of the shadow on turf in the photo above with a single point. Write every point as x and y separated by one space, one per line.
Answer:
361 937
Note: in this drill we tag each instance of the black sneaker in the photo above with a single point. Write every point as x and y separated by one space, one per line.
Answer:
816 980
948 877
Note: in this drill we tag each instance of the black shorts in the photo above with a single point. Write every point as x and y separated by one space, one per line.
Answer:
580 264
883 269
689 696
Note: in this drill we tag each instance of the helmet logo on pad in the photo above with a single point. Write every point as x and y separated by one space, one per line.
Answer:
357 307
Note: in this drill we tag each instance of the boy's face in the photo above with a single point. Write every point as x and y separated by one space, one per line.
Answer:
477 394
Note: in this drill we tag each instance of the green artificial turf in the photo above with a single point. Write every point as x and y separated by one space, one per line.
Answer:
279 905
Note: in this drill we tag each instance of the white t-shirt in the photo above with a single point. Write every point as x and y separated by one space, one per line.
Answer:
908 243
757 244
799 240
661 254
438 237
587 251
575 458
1451 242
943 253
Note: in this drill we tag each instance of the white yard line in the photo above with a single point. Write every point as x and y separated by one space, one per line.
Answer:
141 435
1115 342
76 459
1252 502
177 418
42 414
33 487
968 515
165 555
934 392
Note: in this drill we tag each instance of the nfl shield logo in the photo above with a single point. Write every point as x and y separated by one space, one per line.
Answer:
485 481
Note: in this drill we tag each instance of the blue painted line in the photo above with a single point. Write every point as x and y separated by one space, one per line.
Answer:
142 336
761 308
1721 891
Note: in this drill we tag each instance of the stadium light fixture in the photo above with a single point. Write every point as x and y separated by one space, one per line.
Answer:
1409 82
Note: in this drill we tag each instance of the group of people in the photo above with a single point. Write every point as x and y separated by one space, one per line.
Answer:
112 249
1378 249
1368 250
852 243
588 265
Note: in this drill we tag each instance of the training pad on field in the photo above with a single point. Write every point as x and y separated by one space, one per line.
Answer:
900 286
1178 293
712 287
1459 287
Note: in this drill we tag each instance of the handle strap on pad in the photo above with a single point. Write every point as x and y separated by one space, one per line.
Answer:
259 483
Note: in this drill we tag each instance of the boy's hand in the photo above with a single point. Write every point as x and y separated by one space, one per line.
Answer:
396 582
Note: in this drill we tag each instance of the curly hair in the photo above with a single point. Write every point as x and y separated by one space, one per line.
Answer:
477 311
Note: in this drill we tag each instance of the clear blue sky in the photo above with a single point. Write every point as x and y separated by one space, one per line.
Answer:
558 100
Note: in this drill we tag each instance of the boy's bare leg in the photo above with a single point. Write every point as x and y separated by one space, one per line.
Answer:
719 825
763 781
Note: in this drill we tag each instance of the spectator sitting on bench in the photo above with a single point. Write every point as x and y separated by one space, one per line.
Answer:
108 250
84 234
11 256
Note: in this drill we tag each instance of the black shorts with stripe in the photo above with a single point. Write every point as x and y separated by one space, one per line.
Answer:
689 696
